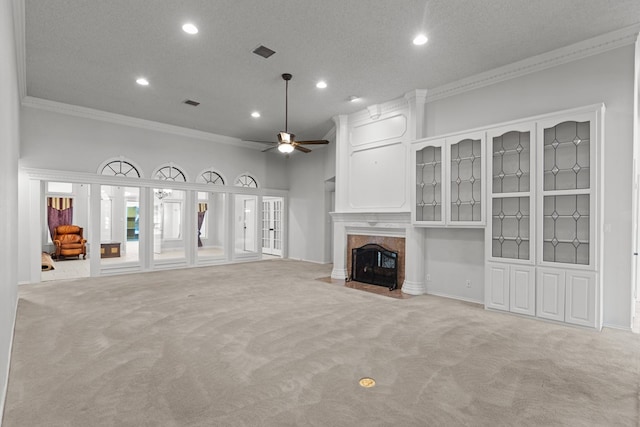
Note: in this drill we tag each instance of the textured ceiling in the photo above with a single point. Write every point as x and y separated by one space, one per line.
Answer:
89 53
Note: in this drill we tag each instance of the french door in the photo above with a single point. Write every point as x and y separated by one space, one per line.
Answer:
272 226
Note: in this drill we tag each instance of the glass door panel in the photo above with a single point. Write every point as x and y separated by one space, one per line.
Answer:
119 224
566 201
466 181
210 221
168 224
245 224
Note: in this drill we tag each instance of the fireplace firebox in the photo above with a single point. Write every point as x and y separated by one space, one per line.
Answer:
375 265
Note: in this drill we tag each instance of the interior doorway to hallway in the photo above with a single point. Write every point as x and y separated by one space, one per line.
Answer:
272 226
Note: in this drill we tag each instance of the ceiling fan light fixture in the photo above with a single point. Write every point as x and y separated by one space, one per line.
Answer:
285 147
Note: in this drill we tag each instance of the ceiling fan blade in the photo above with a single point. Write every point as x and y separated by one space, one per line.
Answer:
269 149
261 142
318 141
303 149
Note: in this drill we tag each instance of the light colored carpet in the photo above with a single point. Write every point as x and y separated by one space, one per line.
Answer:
265 344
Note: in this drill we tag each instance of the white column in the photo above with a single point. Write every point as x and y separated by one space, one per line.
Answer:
414 271
191 225
342 162
93 233
37 225
414 283
416 100
339 271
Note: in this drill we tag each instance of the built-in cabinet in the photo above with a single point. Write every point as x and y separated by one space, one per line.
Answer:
543 192
449 181
543 206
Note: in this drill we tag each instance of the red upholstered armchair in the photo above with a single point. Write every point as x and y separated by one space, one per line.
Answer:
69 241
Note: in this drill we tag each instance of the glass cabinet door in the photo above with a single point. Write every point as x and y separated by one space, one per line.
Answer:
429 183
465 170
511 157
566 193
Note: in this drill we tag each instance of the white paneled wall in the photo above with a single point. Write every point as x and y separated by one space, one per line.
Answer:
9 137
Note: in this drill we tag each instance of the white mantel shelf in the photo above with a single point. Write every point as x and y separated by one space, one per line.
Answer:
374 219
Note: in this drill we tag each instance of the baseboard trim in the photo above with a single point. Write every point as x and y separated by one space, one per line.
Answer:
311 261
442 294
618 327
3 397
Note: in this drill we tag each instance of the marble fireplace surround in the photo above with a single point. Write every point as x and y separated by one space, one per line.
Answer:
380 224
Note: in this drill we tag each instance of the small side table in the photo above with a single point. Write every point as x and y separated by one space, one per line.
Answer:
109 249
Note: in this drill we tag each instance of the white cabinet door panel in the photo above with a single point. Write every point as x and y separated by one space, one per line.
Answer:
497 296
581 298
550 290
522 290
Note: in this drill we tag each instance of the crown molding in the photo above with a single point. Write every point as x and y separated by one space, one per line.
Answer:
21 46
90 113
378 111
576 51
331 134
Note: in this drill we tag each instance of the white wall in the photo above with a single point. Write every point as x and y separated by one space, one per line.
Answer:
10 141
452 257
52 140
307 205
608 78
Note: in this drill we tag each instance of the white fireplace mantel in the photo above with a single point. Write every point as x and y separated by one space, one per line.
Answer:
393 224
391 220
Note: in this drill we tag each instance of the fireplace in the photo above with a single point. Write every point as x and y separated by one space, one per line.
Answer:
391 230
375 265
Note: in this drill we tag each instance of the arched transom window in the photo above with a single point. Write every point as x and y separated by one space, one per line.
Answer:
211 177
246 181
170 173
120 168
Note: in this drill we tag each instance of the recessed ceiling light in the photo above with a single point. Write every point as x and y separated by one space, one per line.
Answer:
353 98
255 114
189 28
142 81
321 84
420 39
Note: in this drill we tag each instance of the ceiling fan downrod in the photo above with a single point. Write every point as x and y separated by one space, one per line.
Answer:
286 77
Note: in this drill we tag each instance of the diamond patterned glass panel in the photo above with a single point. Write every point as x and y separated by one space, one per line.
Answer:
566 156
466 180
566 229
511 162
510 227
429 184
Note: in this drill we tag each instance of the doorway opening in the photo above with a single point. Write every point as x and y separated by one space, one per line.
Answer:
65 203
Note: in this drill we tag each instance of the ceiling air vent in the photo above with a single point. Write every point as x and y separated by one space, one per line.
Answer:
192 102
263 51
